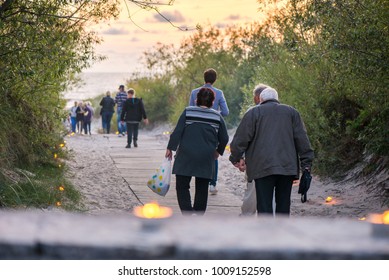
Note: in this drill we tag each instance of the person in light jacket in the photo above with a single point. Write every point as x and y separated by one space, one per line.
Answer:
271 143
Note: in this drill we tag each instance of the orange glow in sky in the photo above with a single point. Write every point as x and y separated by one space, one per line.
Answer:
124 41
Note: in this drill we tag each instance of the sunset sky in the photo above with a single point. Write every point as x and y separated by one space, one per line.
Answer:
124 41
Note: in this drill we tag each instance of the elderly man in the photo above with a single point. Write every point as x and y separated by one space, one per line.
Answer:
272 138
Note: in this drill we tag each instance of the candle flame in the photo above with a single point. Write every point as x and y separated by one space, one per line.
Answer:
379 218
152 211
329 199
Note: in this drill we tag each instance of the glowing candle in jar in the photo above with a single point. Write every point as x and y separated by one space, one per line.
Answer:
380 224
152 211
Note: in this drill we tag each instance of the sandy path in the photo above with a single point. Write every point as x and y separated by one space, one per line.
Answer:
93 173
104 190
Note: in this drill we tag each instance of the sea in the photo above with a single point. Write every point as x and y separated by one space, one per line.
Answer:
94 84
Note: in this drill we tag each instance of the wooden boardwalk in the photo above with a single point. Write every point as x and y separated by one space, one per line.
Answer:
136 165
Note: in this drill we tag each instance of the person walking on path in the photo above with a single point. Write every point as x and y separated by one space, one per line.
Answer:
120 98
132 113
73 116
249 205
220 104
270 143
88 114
107 110
199 137
80 117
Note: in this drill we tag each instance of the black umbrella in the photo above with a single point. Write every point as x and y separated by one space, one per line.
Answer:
305 183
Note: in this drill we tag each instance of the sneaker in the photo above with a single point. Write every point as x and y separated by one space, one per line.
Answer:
128 146
212 189
124 134
135 144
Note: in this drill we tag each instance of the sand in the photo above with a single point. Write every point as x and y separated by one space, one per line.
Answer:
92 172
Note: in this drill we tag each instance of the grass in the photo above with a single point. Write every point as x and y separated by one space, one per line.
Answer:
43 186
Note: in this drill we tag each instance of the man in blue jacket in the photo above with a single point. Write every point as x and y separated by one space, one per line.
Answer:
219 104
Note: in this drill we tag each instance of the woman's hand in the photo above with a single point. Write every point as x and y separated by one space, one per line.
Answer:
169 154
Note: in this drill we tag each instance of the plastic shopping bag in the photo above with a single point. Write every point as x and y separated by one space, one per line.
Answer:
160 180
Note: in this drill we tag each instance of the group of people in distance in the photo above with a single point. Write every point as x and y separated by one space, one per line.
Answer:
270 144
81 114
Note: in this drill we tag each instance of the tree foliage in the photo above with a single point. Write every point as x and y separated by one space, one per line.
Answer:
328 59
338 50
43 44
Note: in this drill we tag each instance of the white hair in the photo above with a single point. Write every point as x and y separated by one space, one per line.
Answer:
269 93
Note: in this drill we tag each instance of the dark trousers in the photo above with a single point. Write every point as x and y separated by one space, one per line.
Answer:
132 132
87 125
183 194
281 185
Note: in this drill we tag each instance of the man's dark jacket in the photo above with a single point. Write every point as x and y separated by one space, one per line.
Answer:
273 140
133 110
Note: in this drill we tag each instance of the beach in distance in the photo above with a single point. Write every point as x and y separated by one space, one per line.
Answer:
93 84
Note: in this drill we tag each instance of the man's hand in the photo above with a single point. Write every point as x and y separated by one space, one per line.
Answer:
146 121
241 165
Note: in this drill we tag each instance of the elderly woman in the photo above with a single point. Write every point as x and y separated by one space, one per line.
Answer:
199 138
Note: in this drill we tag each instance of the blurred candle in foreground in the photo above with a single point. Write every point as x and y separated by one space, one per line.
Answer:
152 211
